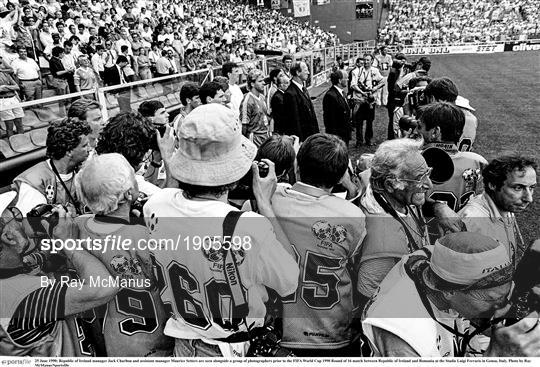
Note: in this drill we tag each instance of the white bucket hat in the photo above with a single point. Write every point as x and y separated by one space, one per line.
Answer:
212 150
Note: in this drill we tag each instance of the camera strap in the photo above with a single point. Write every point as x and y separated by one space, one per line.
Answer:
232 275
411 243
78 211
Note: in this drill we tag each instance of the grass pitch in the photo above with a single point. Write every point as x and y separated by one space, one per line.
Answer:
504 88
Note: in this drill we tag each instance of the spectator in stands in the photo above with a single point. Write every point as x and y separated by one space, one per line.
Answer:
97 62
110 55
444 90
302 120
59 73
51 181
9 98
84 77
144 64
212 92
117 76
28 73
509 183
279 114
131 135
68 60
90 111
164 66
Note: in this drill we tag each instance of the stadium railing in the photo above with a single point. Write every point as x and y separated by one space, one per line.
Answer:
21 151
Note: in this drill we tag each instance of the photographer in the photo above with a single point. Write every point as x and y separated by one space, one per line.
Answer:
51 181
509 183
200 210
107 185
444 90
132 135
325 229
419 307
395 97
365 81
39 311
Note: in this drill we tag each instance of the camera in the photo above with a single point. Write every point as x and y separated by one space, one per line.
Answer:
42 213
264 342
406 123
527 276
244 189
138 205
417 98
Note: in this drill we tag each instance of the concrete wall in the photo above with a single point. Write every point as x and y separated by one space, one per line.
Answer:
339 16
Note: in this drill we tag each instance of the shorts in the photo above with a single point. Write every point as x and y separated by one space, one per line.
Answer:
13 112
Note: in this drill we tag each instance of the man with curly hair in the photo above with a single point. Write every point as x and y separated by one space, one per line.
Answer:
51 181
132 135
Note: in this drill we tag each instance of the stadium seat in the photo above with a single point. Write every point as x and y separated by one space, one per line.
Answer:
48 93
39 137
31 120
152 92
135 105
159 89
6 150
111 100
21 143
113 111
141 93
164 100
46 114
173 98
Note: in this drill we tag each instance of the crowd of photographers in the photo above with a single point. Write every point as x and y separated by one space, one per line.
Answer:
454 21
237 230
69 46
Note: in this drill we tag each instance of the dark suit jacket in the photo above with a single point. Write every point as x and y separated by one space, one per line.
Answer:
111 76
337 114
278 111
301 118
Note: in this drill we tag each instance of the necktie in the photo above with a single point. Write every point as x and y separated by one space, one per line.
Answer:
304 89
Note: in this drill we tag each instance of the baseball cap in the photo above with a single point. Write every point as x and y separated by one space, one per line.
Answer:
212 150
466 261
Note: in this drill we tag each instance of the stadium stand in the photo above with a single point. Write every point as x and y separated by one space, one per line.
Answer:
452 21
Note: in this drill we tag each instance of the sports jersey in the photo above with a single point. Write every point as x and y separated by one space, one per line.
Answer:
466 180
195 283
326 233
135 317
254 114
32 321
468 136
383 63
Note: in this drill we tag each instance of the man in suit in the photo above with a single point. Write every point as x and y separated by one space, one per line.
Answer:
336 111
115 76
279 114
302 120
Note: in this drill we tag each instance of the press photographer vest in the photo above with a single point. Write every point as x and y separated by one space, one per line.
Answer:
42 178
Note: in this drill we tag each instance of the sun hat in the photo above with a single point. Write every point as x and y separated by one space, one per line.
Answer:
212 150
466 261
464 103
